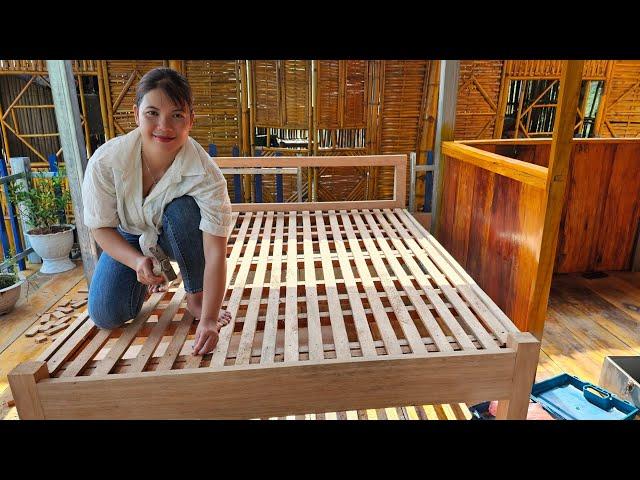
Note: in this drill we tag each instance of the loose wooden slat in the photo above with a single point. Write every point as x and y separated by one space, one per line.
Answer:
427 318
340 338
291 302
152 341
177 342
54 330
128 335
406 323
381 318
251 319
359 316
220 353
32 331
271 319
313 312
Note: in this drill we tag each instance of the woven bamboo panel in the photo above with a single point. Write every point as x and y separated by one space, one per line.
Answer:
622 110
40 66
593 69
342 93
216 100
305 286
296 75
123 76
266 93
404 90
478 92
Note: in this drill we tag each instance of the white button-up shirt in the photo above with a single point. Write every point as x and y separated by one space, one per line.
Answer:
112 190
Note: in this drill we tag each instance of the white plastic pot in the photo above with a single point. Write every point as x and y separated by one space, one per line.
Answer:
54 248
9 296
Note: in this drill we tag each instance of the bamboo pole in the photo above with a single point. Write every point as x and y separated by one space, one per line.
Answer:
178 66
602 108
107 91
519 111
561 144
103 103
87 136
314 82
241 68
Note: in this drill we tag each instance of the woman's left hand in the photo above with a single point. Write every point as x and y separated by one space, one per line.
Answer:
206 337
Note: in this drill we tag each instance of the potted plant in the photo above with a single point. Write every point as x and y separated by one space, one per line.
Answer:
10 285
42 205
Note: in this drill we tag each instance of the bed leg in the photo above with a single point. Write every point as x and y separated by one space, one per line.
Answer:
527 349
23 380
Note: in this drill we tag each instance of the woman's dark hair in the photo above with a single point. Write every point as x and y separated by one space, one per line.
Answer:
172 83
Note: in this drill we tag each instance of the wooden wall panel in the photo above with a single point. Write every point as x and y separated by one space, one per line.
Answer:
620 213
601 213
587 187
492 225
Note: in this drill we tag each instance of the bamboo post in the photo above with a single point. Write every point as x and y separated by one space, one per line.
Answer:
527 352
177 65
72 141
245 97
554 199
314 106
23 381
445 126
107 93
505 83
602 107
87 136
103 101
23 165
252 117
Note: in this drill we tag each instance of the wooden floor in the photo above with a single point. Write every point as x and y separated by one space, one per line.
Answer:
587 320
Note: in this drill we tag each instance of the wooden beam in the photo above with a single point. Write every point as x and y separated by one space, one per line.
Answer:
523 172
561 143
447 100
63 89
250 391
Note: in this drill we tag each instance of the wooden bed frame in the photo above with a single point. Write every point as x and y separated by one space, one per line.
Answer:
335 306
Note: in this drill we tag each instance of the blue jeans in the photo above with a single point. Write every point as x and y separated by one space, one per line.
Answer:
115 295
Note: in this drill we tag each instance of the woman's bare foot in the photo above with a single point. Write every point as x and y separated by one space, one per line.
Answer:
224 318
194 306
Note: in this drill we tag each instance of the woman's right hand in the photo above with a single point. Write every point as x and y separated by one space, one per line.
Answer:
144 270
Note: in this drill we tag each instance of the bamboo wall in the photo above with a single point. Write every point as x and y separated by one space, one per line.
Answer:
399 128
216 86
621 113
484 84
478 96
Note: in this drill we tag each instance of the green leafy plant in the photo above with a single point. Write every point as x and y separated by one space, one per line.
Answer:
9 273
41 204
